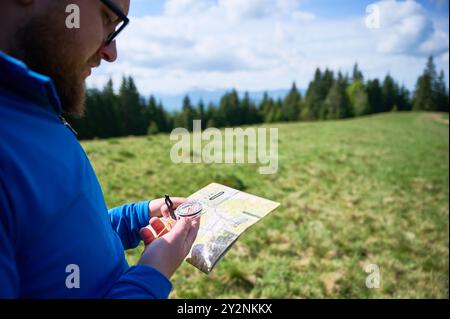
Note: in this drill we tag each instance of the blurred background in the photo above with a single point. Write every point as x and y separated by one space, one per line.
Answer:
359 93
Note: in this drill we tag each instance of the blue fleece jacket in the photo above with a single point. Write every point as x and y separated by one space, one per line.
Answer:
57 237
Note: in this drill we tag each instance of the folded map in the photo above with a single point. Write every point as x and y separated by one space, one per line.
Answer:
226 214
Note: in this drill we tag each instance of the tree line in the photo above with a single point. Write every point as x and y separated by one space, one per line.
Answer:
328 96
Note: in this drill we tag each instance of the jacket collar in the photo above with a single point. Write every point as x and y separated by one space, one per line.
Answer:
17 77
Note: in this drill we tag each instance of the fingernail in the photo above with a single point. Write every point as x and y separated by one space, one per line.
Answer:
150 228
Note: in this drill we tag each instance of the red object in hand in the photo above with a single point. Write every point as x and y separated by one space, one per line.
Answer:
156 228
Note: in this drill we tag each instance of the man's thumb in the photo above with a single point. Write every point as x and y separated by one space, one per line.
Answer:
181 228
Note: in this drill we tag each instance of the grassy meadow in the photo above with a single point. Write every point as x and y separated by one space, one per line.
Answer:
371 190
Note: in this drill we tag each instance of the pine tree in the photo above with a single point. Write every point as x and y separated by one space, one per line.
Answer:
290 110
403 99
313 103
111 121
357 74
109 114
389 93
156 117
276 115
228 113
337 104
100 119
431 92
314 98
164 120
267 108
201 109
442 93
152 128
211 115
131 109
254 114
358 98
187 115
245 110
374 95
423 95
150 111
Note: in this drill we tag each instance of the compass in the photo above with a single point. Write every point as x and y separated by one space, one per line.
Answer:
190 209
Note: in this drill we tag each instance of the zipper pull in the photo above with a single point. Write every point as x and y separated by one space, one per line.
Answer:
66 124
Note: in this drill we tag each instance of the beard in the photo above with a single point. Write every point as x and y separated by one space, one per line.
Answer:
48 48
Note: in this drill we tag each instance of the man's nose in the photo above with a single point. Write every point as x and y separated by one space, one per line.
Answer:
109 52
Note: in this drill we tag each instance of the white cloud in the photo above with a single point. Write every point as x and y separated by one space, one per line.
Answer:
262 44
445 58
180 7
237 10
247 9
405 27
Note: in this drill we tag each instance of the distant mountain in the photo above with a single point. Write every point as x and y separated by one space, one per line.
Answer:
173 102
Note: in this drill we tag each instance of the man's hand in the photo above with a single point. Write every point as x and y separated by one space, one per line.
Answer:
167 252
158 208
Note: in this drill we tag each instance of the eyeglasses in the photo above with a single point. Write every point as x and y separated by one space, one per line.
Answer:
122 24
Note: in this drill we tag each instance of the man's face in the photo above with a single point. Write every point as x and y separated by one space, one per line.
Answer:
66 55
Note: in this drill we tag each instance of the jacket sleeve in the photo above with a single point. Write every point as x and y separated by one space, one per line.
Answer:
9 275
140 282
127 220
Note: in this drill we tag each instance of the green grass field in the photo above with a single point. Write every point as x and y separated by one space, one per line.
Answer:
371 190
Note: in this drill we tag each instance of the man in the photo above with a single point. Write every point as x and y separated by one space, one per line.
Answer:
57 238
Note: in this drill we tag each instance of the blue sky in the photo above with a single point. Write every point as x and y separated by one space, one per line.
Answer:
175 46
324 8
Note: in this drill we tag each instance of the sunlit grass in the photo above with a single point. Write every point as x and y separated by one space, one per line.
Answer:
352 192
